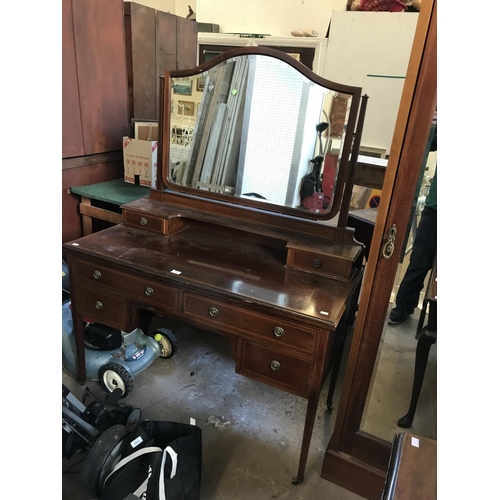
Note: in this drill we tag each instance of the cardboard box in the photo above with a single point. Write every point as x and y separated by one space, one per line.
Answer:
140 155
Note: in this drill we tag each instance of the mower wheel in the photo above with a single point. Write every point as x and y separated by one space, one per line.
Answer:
103 455
167 341
114 376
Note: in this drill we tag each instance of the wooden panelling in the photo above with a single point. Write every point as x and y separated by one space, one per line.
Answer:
187 32
140 27
102 76
88 174
72 132
166 48
156 41
354 475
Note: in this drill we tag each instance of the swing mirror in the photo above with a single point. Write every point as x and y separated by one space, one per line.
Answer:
257 128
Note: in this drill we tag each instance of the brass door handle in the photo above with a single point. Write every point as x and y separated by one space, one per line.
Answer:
388 248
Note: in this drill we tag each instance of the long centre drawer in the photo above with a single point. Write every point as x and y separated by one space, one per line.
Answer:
239 320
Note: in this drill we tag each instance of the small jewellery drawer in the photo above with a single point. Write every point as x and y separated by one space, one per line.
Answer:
100 307
234 318
274 368
327 265
142 289
144 221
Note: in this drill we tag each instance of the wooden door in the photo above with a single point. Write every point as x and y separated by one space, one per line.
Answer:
355 459
156 41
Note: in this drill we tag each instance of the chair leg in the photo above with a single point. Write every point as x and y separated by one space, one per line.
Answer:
425 340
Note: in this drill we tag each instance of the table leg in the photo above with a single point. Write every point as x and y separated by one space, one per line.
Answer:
312 406
337 351
86 219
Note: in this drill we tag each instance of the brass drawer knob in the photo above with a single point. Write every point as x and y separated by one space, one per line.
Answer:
317 263
97 274
149 291
275 365
278 331
213 311
98 304
143 221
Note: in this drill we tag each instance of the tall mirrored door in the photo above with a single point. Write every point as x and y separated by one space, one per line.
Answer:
392 382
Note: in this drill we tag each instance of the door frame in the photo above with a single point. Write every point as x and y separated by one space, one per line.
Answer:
355 459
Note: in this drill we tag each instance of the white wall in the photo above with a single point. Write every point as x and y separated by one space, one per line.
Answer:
278 18
369 43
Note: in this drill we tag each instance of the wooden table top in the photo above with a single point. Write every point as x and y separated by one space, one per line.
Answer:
239 269
412 473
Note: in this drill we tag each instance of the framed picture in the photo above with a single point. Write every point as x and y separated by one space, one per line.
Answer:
183 86
338 113
200 83
185 108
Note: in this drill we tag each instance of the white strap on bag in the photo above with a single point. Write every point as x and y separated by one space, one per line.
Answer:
132 456
173 457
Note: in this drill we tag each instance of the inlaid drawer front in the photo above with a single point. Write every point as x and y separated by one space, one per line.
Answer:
142 289
328 265
144 221
234 318
100 307
274 368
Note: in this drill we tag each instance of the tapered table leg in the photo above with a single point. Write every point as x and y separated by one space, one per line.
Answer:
312 406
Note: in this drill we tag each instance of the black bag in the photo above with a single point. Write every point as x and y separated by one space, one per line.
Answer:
162 461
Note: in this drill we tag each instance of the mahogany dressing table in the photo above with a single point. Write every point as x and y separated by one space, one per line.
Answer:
227 247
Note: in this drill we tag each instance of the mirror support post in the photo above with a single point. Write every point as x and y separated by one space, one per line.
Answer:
346 197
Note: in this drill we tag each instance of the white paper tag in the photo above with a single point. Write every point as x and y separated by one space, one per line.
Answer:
175 271
324 313
136 442
192 421
415 442
76 244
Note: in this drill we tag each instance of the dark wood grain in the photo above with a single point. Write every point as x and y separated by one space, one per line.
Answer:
413 471
72 131
352 474
166 49
140 34
250 271
187 33
102 75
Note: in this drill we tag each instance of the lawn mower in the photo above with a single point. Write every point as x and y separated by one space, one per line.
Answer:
112 357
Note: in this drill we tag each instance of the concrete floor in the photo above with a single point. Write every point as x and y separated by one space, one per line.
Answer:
251 432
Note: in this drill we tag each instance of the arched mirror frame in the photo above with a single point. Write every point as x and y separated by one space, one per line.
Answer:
349 154
355 459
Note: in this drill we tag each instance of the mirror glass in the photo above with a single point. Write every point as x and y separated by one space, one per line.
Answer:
255 128
389 409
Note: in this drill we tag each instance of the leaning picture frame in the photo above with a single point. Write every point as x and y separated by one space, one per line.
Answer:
200 83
